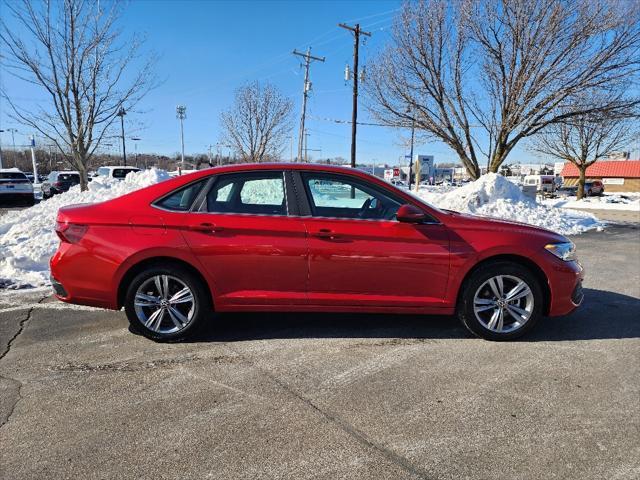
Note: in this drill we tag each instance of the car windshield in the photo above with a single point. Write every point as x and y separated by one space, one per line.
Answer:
13 177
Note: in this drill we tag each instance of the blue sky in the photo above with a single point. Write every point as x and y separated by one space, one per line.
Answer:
209 48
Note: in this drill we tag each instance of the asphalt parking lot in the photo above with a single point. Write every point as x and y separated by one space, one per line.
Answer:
328 396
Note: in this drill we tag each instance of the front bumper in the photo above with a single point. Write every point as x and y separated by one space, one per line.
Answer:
565 285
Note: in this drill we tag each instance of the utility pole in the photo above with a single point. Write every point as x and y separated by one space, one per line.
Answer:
354 112
306 147
121 113
181 114
210 158
308 58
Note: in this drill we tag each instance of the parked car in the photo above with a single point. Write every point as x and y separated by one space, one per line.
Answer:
397 182
593 187
305 238
15 188
58 182
543 183
115 172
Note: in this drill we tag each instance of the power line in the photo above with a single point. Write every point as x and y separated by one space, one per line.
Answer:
308 58
356 73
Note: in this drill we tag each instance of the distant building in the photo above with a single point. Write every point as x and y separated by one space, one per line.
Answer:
617 176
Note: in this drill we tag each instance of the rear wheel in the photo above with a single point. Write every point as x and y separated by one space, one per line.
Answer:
501 301
166 304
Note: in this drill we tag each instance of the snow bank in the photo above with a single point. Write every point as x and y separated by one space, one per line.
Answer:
606 202
492 195
28 239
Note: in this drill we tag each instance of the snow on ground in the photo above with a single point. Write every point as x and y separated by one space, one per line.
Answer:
608 201
28 238
494 196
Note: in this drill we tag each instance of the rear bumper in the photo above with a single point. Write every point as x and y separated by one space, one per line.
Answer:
17 198
76 279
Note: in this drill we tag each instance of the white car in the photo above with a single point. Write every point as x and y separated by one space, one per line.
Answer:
116 172
15 188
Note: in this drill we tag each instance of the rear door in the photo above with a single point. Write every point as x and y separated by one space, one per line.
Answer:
360 255
246 238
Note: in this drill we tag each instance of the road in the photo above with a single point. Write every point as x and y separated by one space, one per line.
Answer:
328 396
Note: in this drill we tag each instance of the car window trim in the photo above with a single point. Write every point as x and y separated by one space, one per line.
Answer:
289 200
306 202
186 185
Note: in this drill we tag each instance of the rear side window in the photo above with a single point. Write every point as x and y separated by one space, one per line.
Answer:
257 193
182 199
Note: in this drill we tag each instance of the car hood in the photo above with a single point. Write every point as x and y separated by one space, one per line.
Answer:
477 222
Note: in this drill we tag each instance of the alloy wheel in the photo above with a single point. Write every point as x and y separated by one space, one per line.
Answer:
164 304
503 303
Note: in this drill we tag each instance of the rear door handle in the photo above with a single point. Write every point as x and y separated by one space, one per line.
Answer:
205 227
325 233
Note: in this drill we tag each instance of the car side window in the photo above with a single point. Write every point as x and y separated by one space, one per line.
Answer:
181 199
257 193
340 196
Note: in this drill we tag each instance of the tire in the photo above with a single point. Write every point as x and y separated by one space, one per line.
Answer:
589 193
174 320
477 292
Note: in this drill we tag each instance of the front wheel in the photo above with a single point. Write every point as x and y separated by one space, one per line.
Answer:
166 304
501 301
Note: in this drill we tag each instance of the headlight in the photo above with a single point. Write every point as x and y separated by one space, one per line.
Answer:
565 251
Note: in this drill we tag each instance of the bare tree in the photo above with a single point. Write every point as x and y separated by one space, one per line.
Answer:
258 123
586 139
73 49
481 75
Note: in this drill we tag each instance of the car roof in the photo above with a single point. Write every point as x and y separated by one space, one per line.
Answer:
310 167
113 167
10 170
66 171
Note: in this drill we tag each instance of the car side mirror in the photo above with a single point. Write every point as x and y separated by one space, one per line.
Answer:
410 214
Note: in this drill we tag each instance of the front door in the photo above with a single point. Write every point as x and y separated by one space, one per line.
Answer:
253 250
360 255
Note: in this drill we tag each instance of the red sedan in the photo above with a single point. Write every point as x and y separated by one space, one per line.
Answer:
305 238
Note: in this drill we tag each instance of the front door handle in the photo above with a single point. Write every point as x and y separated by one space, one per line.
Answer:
325 233
205 227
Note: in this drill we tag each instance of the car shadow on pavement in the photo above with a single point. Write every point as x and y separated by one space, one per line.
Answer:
604 315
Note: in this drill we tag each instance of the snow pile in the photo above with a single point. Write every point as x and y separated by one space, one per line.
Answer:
494 196
28 239
606 202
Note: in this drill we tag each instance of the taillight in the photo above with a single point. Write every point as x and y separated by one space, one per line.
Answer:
57 184
70 232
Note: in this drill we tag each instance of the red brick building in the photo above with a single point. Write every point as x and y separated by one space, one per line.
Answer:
617 176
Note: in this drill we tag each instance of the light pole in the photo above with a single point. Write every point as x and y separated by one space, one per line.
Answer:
13 141
32 144
121 113
1 131
181 114
413 129
135 146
